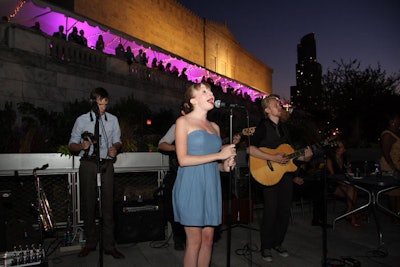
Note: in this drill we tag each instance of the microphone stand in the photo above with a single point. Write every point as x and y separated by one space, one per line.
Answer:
250 262
229 220
98 177
324 213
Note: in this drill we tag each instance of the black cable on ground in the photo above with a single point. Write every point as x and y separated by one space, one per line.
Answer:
161 244
372 255
246 252
333 262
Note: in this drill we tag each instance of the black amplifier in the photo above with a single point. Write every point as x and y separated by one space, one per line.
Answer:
139 221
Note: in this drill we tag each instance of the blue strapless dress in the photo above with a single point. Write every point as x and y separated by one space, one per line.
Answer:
197 196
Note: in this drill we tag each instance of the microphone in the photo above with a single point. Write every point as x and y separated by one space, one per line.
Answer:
220 104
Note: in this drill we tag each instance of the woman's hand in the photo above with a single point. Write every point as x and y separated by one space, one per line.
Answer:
227 151
229 164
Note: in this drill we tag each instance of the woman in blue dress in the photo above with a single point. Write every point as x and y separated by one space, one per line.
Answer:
197 196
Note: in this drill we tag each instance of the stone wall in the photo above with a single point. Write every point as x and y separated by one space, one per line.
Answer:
33 70
172 27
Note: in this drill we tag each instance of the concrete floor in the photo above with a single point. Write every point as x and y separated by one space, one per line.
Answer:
304 242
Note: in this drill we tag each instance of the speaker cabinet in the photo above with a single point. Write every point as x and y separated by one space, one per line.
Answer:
139 221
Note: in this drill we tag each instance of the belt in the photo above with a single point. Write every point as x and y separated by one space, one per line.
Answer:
93 159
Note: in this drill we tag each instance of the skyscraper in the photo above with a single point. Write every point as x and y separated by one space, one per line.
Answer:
308 87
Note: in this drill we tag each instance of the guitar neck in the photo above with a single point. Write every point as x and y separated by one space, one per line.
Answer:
300 152
296 154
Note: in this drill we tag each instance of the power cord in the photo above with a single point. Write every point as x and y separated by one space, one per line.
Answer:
161 244
380 252
333 262
246 252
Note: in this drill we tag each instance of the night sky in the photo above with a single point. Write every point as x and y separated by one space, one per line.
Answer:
366 30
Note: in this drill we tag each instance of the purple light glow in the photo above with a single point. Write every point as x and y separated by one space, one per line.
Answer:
27 13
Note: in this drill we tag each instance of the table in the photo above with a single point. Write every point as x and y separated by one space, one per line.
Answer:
374 186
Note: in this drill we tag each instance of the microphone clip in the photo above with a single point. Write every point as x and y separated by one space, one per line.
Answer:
220 104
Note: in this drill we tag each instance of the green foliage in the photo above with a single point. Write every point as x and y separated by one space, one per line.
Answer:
64 151
356 100
42 131
130 145
132 115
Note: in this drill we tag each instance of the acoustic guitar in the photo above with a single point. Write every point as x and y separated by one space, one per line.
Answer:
268 172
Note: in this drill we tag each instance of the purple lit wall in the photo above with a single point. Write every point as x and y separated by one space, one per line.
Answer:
27 13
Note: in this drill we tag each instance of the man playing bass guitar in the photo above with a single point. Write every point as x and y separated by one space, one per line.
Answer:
271 133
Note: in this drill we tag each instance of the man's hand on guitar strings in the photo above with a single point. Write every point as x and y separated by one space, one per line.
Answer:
308 153
281 158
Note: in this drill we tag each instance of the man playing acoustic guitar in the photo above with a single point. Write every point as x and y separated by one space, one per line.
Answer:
270 134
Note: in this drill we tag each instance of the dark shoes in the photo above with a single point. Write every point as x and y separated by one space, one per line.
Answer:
179 246
86 250
115 253
317 222
281 251
266 255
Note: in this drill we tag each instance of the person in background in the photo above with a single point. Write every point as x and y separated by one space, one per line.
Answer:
138 57
197 196
168 68
120 51
270 133
390 160
129 56
175 71
83 40
100 43
154 63
307 184
73 36
338 163
109 143
183 74
167 145
36 27
60 34
160 66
